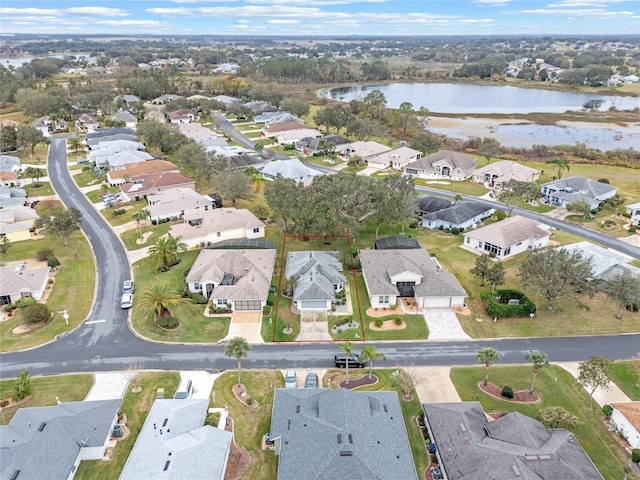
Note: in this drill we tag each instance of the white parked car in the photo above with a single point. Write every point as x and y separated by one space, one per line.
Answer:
126 301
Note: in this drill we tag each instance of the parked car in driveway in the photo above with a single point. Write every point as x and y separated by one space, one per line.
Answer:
311 381
290 379
128 286
126 301
340 360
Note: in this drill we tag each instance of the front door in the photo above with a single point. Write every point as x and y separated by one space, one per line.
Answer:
209 289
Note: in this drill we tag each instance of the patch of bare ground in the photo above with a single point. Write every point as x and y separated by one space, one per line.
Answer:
387 325
359 382
240 391
239 459
520 396
384 312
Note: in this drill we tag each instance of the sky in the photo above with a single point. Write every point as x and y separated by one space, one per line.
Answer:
321 17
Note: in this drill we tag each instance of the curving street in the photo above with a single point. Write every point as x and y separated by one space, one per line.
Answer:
103 342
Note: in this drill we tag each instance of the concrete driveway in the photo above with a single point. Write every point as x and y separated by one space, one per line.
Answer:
443 324
246 325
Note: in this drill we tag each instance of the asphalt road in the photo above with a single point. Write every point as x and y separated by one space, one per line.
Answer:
105 343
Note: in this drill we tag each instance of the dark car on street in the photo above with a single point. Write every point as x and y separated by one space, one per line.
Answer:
340 360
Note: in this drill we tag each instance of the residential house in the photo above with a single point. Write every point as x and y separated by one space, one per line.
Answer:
633 211
237 277
461 215
42 124
323 433
183 115
126 99
117 143
48 443
212 226
87 122
166 98
291 137
260 107
101 153
227 100
443 164
175 444
273 129
9 167
231 68
471 447
156 116
128 118
174 203
495 174
561 192
9 179
155 183
276 117
320 145
110 134
396 273
18 281
428 204
200 134
121 160
625 420
507 237
130 172
396 159
293 169
16 222
318 276
244 160
361 149
11 197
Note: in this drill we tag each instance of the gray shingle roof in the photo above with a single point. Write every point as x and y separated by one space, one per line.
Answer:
458 213
471 448
293 169
315 425
315 273
43 442
455 159
19 278
429 204
580 186
509 231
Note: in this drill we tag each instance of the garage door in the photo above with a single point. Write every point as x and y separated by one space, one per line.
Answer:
248 305
435 302
313 305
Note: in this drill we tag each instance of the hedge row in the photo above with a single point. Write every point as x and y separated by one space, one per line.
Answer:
503 310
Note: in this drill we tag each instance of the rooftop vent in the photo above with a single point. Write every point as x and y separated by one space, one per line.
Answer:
384 407
15 475
350 438
463 428
516 472
339 438
41 427
164 424
346 453
166 466
297 408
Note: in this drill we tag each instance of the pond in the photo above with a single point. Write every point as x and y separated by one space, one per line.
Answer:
502 99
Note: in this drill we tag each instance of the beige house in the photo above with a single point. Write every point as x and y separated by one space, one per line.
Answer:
625 419
494 174
18 281
132 171
154 183
16 222
174 203
361 149
293 136
443 164
205 227
396 159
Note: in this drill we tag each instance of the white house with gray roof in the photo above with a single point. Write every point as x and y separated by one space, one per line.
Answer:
443 164
240 278
318 277
462 215
175 444
174 203
392 274
325 434
48 443
18 281
633 211
396 159
293 169
471 447
507 237
9 163
566 190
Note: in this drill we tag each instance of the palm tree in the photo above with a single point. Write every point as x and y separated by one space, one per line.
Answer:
562 164
75 143
159 300
538 361
166 250
370 353
255 177
348 350
488 356
237 347
139 216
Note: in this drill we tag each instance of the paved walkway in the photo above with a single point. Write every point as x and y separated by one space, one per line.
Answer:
443 324
139 254
108 386
601 396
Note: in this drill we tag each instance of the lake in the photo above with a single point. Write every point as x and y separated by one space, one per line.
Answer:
19 61
481 99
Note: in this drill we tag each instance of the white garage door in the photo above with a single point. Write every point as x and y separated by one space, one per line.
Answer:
313 305
435 302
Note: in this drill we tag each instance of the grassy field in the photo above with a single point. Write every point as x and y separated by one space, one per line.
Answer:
39 156
626 375
67 388
41 189
73 289
130 209
136 406
130 237
194 326
556 388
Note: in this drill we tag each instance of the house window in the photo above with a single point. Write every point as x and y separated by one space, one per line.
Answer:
507 251
221 302
256 230
197 286
218 234
468 240
383 299
26 294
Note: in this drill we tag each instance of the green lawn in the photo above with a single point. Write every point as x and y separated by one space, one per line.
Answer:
129 209
73 289
67 388
40 189
39 156
557 388
85 179
626 375
194 326
136 406
130 237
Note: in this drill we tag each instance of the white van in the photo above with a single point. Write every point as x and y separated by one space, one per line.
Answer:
184 389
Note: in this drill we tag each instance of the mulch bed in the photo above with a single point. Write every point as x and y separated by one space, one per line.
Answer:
240 392
359 382
521 396
239 459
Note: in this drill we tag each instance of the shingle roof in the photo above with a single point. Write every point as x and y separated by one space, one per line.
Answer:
8 163
43 442
154 181
315 273
509 231
18 278
429 204
293 169
458 213
273 128
142 168
507 170
602 259
175 199
329 434
471 448
586 187
363 149
455 159
107 132
216 220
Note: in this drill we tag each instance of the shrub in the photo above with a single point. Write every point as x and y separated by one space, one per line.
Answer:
271 298
249 401
607 410
434 459
25 302
441 227
635 455
603 180
266 310
398 321
447 230
507 391
633 229
354 251
378 322
413 225
502 309
4 403
393 306
119 212
23 388
455 231
9 308
44 254
343 321
53 262
167 322
198 298
500 214
36 313
213 419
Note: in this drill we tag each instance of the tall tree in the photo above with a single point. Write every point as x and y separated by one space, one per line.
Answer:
369 352
495 275
347 348
481 268
538 361
233 185
489 148
35 173
561 163
75 142
30 138
593 374
488 356
159 300
407 116
393 200
512 190
375 103
579 206
61 223
238 348
625 288
558 273
5 243
295 106
165 250
283 196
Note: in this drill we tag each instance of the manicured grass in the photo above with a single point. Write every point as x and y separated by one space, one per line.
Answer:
130 237
194 326
73 289
85 179
67 388
136 406
626 376
557 388
322 161
250 424
410 409
130 209
284 313
39 156
40 189
463 187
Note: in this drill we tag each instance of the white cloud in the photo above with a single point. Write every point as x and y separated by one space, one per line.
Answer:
583 3
312 3
282 21
130 23
98 11
29 11
492 3
587 12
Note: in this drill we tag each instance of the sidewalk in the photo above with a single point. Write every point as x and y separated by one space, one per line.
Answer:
601 396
